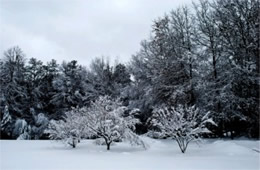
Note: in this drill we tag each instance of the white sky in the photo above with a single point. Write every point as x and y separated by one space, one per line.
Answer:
79 29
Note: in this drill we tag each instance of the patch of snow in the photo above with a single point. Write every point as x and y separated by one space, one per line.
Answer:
162 154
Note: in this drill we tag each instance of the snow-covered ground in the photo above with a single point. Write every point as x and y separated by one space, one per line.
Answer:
162 155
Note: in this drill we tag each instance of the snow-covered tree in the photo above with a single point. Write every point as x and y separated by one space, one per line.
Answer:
12 89
121 75
22 130
69 86
69 130
39 125
100 78
121 81
238 23
6 118
106 119
6 123
182 123
51 71
229 84
139 91
34 76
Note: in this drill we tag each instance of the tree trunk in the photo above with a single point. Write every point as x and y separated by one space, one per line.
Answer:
108 146
107 143
214 64
73 143
183 144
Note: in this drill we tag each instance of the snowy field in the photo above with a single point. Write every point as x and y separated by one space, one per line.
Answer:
162 155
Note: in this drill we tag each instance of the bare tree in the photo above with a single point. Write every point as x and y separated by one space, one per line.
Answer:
105 118
69 130
182 123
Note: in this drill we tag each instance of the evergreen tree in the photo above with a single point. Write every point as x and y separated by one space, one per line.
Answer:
69 86
12 84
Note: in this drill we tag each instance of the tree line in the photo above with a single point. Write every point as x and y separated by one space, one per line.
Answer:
206 56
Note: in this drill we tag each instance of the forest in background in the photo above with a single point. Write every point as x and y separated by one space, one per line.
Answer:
205 56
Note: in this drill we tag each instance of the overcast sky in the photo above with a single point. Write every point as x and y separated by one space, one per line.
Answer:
79 29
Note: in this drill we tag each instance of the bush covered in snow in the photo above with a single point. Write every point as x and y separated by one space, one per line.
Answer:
22 129
69 130
40 124
106 119
184 124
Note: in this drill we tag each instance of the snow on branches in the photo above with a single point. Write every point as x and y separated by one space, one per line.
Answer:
183 123
6 118
106 119
69 130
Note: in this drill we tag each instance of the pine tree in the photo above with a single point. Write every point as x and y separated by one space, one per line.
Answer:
34 81
12 89
70 87
6 119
